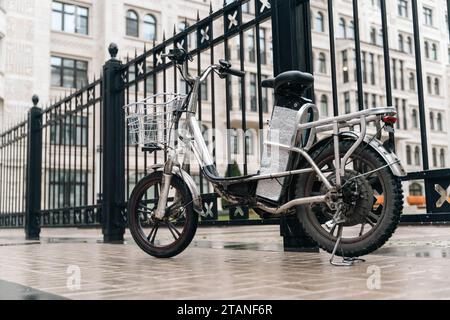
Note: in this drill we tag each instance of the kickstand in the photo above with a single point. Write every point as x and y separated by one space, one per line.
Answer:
346 262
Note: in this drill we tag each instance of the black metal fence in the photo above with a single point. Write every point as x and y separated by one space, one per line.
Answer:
84 168
71 165
13 176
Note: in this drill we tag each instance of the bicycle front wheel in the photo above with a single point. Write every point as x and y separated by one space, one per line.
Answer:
170 236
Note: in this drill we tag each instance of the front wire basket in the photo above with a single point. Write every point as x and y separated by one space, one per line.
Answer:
150 120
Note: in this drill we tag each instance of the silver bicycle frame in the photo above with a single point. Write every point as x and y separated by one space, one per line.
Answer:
195 140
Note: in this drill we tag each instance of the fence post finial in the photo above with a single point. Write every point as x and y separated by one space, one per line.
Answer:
113 50
35 100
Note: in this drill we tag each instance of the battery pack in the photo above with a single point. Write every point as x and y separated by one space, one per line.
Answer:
283 126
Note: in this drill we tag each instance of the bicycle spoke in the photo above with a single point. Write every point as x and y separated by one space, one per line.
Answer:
144 209
362 229
152 235
370 222
173 230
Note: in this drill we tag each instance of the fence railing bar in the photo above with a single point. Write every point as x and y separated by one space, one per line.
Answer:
221 38
333 58
386 53
259 88
358 56
420 89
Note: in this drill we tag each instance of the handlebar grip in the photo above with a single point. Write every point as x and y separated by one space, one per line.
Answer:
236 73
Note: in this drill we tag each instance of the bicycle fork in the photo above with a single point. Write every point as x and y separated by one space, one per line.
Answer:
160 211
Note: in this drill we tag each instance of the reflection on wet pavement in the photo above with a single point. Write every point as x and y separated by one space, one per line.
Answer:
222 263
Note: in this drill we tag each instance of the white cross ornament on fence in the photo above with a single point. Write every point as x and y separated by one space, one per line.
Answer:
140 67
209 209
233 20
159 59
205 35
239 212
180 45
445 195
265 4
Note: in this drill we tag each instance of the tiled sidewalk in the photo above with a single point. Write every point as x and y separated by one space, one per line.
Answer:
224 263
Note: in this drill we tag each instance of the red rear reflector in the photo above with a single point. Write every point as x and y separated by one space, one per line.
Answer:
390 119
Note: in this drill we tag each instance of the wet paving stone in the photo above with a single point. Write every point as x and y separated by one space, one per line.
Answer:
222 263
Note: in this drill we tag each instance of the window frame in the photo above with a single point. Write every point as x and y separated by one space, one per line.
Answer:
75 70
76 15
128 19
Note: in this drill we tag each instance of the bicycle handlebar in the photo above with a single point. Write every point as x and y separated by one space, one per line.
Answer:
234 72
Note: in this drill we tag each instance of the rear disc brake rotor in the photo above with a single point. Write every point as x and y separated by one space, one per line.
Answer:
357 196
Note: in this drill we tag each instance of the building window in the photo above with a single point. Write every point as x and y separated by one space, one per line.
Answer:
373 35
439 122
437 90
262 45
150 85
409 45
442 158
234 142
428 16
429 85
204 93
250 142
71 131
401 44
251 46
342 28
68 188
434 51
132 23
265 98
69 73
253 98
150 27
372 68
415 119
351 30
320 22
408 155
432 121
324 105
345 74
322 63
364 66
394 73
70 18
403 8
427 50
405 120
417 156
402 75
412 81
435 157
415 189
347 102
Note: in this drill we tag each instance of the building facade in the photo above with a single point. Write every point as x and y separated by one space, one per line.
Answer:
51 47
